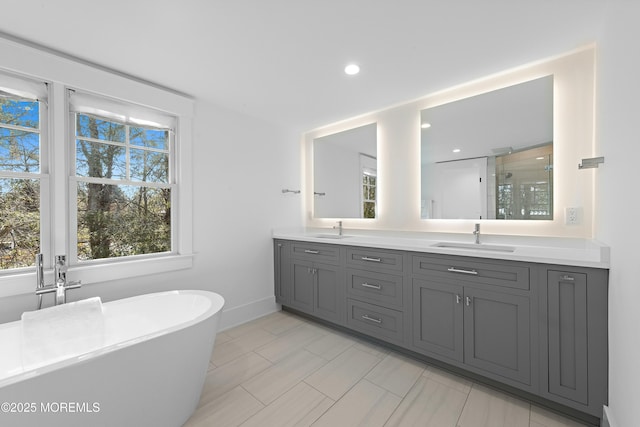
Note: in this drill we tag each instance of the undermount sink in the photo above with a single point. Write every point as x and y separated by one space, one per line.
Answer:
475 246
331 236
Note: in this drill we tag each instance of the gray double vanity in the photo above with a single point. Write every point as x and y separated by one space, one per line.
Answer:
525 315
522 308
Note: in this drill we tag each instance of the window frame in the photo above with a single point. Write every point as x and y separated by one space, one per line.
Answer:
61 74
74 179
42 176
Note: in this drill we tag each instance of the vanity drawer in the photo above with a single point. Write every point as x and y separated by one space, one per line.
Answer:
315 252
505 274
374 259
378 322
380 288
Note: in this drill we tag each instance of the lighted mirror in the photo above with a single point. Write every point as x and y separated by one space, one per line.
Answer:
490 156
345 174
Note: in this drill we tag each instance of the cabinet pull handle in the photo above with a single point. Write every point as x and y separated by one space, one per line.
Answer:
366 258
459 270
458 299
309 251
367 285
468 301
371 319
568 278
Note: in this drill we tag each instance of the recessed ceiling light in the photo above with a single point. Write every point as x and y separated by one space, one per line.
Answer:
352 69
456 150
425 125
540 158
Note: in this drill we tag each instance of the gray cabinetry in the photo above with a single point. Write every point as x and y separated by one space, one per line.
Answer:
497 333
489 330
377 321
438 319
533 327
316 281
281 270
574 303
375 292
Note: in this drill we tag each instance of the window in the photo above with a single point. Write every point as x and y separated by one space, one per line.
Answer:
123 180
368 194
84 151
368 172
21 131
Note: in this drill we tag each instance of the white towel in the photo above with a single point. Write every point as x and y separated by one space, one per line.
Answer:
56 333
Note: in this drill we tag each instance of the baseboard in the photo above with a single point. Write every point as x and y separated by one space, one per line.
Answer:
607 418
235 316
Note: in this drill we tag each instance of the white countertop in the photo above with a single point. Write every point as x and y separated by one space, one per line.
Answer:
547 250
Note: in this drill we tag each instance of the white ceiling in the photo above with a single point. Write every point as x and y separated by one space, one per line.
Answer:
282 60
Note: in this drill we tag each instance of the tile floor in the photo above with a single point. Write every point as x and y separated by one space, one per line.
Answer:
284 370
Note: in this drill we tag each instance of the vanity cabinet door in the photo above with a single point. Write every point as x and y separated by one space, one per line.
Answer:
438 318
317 289
497 333
329 292
574 351
568 352
302 285
282 273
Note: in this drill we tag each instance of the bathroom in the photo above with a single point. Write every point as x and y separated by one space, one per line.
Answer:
249 119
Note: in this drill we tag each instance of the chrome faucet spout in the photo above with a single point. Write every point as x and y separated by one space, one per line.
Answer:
476 232
339 227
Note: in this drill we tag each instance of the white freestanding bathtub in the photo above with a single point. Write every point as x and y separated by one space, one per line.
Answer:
148 371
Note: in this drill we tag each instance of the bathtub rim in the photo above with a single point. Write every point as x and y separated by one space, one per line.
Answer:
215 309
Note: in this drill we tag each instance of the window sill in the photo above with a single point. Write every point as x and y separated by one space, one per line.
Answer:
25 283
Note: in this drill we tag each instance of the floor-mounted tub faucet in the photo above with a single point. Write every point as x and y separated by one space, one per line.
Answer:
61 285
476 232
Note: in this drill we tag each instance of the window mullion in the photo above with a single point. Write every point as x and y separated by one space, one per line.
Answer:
127 153
59 166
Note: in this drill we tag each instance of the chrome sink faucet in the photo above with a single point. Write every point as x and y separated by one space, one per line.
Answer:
61 285
339 227
476 233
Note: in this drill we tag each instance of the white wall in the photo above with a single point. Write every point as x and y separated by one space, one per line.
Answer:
241 165
618 196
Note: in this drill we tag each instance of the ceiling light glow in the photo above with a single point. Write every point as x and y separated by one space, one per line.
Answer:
352 69
456 150
425 125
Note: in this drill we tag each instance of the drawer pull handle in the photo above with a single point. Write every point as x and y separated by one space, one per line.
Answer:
367 285
459 270
309 251
568 278
468 301
366 258
371 319
458 299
